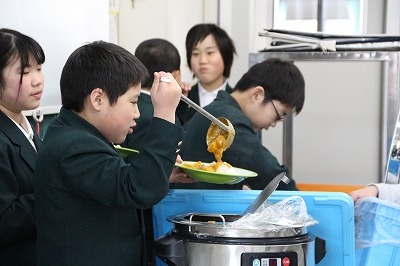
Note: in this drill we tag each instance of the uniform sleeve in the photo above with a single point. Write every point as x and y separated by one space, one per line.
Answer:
97 174
181 112
16 206
248 152
390 192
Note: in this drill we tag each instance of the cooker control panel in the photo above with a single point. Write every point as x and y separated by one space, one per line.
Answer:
269 259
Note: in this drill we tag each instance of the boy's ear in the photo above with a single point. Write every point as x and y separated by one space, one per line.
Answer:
97 98
257 93
176 73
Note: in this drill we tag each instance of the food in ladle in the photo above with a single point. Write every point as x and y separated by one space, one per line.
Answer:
216 145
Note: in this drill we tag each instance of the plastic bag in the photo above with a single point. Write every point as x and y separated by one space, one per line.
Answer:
377 222
288 213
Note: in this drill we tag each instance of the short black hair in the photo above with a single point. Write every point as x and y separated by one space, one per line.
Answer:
282 80
15 45
225 44
158 55
99 65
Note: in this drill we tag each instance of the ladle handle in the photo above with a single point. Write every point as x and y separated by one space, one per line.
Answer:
204 113
267 191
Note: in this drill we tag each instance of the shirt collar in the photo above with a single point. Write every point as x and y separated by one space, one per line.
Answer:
145 92
25 127
206 97
203 91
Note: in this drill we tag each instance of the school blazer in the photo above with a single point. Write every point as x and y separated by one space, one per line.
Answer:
89 201
17 212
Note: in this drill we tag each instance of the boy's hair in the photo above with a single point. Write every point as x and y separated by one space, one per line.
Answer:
282 80
15 45
225 44
99 65
158 55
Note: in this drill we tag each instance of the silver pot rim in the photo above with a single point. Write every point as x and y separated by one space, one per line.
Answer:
210 226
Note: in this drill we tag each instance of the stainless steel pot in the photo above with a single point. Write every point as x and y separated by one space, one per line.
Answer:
206 239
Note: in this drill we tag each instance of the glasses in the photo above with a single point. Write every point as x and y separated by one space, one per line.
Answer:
279 117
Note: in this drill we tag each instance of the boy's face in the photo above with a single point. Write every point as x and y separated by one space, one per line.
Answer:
118 120
264 115
206 61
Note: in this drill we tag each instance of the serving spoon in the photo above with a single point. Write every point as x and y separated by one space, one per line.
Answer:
204 113
221 122
267 191
217 124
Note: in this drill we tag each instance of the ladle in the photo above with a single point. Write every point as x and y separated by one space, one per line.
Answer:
221 122
214 131
267 191
204 113
198 108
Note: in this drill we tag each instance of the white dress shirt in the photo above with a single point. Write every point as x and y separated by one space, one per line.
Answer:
26 128
206 97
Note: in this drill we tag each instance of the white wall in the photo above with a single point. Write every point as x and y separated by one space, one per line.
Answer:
60 27
336 137
168 19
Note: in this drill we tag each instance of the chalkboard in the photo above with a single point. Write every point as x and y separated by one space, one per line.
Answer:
59 26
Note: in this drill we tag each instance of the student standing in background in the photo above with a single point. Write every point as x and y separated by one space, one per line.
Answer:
21 87
209 53
157 55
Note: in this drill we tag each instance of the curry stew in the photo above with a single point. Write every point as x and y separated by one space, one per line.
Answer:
217 142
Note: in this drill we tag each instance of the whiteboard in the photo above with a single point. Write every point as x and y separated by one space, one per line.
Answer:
59 27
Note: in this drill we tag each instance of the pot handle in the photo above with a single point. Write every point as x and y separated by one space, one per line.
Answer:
170 250
320 249
193 231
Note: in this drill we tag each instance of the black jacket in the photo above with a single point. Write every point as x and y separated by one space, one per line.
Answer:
89 201
17 210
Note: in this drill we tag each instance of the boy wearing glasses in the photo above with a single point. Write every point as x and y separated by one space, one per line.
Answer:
264 96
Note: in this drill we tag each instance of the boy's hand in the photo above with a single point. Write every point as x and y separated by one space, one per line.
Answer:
368 191
186 87
165 96
178 176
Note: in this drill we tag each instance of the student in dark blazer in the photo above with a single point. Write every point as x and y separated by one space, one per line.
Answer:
209 53
263 97
156 55
89 202
21 87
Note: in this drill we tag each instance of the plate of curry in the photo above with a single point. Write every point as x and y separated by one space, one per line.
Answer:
205 172
218 172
